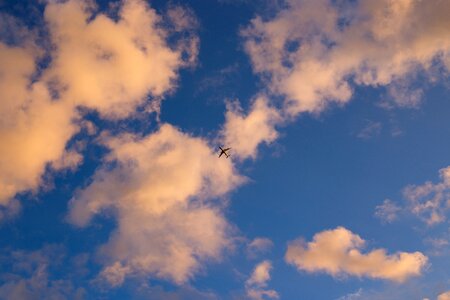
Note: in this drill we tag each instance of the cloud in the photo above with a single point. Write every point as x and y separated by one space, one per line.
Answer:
352 296
311 54
438 246
69 160
410 290
222 81
164 190
387 212
244 132
107 65
337 252
444 296
371 129
314 52
143 290
404 96
33 128
29 275
10 210
430 201
256 285
258 246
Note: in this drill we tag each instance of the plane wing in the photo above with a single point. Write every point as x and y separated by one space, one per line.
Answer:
224 151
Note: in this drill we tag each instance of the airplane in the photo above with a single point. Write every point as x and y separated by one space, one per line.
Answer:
224 151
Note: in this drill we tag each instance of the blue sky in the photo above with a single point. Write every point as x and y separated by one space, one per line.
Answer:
111 117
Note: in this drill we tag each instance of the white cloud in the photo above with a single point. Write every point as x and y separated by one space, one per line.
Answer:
312 52
256 285
108 65
387 212
430 201
244 132
160 189
337 252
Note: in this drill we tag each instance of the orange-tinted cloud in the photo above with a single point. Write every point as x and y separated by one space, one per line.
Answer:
245 132
312 52
161 191
429 201
33 128
256 285
111 66
444 296
338 252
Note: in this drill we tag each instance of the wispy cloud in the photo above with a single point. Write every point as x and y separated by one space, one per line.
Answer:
429 201
439 245
371 130
10 210
258 246
352 296
31 275
388 211
219 79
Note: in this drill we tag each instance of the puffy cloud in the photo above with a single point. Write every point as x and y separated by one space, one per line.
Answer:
244 132
430 201
312 52
261 273
160 188
257 283
337 252
96 62
109 65
33 128
387 212
444 296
